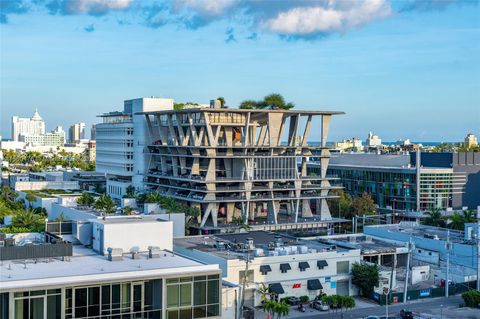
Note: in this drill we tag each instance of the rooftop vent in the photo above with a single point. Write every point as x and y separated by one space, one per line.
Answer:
154 252
368 239
114 254
249 244
134 252
352 239
220 245
278 241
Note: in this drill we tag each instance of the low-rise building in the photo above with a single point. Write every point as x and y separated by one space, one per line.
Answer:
286 265
55 279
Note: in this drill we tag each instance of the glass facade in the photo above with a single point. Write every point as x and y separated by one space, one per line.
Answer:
388 189
185 298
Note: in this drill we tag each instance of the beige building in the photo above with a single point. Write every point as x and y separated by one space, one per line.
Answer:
33 126
235 163
471 140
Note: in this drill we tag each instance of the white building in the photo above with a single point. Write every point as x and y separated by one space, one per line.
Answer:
354 144
117 155
56 279
373 140
27 126
76 132
288 266
54 138
471 140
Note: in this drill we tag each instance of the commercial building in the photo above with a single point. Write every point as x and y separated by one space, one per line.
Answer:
395 182
353 144
120 143
234 163
76 132
56 138
373 140
430 246
286 265
55 279
27 126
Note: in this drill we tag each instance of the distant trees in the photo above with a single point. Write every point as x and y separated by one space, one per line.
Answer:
271 101
105 204
350 206
339 302
36 161
86 199
365 276
434 218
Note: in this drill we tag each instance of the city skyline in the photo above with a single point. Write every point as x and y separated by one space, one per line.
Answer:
419 58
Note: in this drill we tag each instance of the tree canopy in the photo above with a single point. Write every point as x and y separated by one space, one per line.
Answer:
365 276
272 101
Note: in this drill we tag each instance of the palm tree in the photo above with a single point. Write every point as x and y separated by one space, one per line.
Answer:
28 219
281 309
30 199
434 218
456 221
86 199
105 204
128 210
469 216
153 197
265 294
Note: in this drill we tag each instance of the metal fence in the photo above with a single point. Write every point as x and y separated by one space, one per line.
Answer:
59 249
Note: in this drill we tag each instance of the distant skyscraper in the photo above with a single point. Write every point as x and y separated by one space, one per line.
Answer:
471 140
93 132
373 140
76 132
33 126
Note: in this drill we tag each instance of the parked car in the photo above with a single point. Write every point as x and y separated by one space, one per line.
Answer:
293 301
301 308
406 314
319 305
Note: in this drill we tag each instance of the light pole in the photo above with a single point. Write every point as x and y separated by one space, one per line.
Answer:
441 311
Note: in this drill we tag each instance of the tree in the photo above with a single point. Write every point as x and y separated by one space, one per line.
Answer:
434 218
363 205
28 219
128 210
86 199
365 277
105 204
153 198
469 216
222 101
343 203
248 105
274 101
281 309
30 199
471 298
129 192
456 221
264 292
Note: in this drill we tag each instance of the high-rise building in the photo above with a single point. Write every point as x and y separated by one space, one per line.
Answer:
93 132
33 126
76 132
471 140
373 140
120 141
235 163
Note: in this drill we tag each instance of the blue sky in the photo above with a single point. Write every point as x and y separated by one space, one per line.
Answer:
403 69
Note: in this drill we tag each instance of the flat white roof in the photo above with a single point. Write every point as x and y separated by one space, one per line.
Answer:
87 267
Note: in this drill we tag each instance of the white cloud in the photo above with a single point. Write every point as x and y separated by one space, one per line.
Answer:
94 6
336 16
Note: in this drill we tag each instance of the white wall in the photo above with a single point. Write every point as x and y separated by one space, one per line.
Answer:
23 186
133 234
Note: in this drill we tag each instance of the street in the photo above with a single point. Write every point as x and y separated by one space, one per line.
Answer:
437 308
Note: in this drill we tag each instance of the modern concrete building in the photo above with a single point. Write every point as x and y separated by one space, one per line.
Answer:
120 143
234 163
286 265
27 126
395 182
76 132
55 279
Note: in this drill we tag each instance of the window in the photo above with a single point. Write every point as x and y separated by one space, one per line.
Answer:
343 267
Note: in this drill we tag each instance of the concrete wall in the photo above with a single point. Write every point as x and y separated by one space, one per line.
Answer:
132 235
23 186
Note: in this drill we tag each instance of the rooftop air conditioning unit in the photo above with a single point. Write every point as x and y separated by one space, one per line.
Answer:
154 252
115 254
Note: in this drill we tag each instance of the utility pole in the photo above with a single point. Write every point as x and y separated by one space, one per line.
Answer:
405 288
244 286
448 263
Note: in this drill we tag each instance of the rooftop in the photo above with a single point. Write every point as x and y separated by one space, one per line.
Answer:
234 110
233 246
86 266
366 244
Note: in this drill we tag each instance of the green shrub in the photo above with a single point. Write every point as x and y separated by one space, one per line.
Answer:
471 298
304 299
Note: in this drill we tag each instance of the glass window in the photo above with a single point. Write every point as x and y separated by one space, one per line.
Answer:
81 302
54 307
343 267
185 295
213 292
115 296
186 313
172 314
36 307
213 310
172 296
200 312
200 293
21 309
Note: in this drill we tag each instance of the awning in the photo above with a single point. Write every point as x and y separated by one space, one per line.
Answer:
276 288
285 267
314 284
303 265
321 264
265 268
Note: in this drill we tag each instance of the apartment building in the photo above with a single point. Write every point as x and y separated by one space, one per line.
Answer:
27 126
120 143
76 132
234 163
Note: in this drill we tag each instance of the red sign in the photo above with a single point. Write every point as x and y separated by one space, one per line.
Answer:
297 286
395 299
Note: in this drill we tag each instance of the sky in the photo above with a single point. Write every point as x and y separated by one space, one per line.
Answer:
402 69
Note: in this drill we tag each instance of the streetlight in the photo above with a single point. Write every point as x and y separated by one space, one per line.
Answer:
441 311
